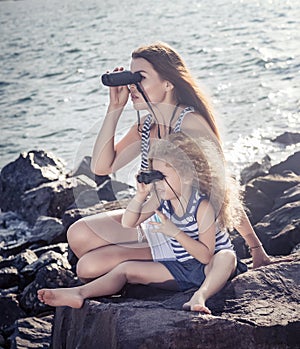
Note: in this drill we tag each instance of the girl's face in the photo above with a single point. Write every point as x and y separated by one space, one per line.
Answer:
172 180
153 86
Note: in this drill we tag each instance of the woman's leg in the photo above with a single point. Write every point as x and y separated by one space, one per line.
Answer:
103 259
217 272
133 272
99 230
101 243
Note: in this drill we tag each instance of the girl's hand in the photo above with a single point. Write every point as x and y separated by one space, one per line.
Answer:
165 226
142 190
119 94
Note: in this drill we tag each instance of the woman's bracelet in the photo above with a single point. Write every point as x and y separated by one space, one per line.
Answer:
255 247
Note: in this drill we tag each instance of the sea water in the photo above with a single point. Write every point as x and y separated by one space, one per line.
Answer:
245 55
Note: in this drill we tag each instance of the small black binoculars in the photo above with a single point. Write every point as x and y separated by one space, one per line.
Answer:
148 177
121 78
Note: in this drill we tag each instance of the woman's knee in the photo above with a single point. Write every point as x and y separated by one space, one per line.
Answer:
74 236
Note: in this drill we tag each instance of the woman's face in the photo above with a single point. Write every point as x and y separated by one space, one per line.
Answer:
153 86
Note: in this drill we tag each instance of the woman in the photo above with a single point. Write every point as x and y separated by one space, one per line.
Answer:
176 104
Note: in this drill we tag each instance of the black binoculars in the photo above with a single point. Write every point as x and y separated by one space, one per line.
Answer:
148 177
121 78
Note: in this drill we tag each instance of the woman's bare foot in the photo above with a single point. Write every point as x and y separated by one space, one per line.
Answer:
197 303
61 297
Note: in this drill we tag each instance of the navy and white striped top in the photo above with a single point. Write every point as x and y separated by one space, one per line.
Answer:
188 224
145 142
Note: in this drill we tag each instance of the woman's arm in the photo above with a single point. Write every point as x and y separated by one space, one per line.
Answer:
194 125
108 157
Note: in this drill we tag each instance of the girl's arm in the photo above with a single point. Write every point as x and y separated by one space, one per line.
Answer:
202 250
108 157
141 207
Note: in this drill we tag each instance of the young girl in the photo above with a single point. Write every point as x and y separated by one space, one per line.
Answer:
100 242
193 211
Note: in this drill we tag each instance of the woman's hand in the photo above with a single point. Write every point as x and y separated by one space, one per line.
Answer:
165 226
119 94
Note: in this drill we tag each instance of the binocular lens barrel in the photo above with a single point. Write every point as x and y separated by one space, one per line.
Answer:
121 78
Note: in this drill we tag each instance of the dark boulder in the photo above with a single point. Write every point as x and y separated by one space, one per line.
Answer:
84 167
288 138
256 170
257 310
292 163
10 310
52 199
32 333
28 171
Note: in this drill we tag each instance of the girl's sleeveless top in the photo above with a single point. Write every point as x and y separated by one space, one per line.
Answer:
145 142
188 224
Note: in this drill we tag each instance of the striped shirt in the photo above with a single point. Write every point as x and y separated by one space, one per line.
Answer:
145 141
188 224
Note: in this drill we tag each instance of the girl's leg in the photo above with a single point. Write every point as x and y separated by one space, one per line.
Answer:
217 272
134 272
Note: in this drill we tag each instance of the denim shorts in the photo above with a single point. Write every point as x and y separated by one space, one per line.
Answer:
187 274
190 274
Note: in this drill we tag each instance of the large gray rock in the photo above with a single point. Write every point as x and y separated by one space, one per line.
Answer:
28 171
259 309
32 333
52 199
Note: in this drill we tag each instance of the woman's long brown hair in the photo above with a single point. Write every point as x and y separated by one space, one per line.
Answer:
171 67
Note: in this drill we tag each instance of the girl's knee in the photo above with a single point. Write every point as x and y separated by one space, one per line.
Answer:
227 257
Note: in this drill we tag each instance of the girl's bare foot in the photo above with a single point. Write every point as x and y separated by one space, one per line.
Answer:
61 297
197 303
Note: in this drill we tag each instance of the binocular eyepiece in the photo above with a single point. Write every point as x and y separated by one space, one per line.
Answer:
121 78
148 177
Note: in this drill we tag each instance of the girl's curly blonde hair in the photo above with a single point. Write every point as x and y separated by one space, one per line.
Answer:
202 161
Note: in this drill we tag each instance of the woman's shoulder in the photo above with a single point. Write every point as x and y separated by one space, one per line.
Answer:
194 123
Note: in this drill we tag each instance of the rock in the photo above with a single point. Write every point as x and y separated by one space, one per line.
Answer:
28 171
256 170
280 230
109 190
48 230
288 138
72 215
9 277
258 309
274 185
85 168
47 258
48 276
292 163
258 203
288 196
31 333
10 310
261 193
52 199
20 261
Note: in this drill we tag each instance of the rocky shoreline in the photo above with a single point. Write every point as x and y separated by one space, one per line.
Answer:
39 200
